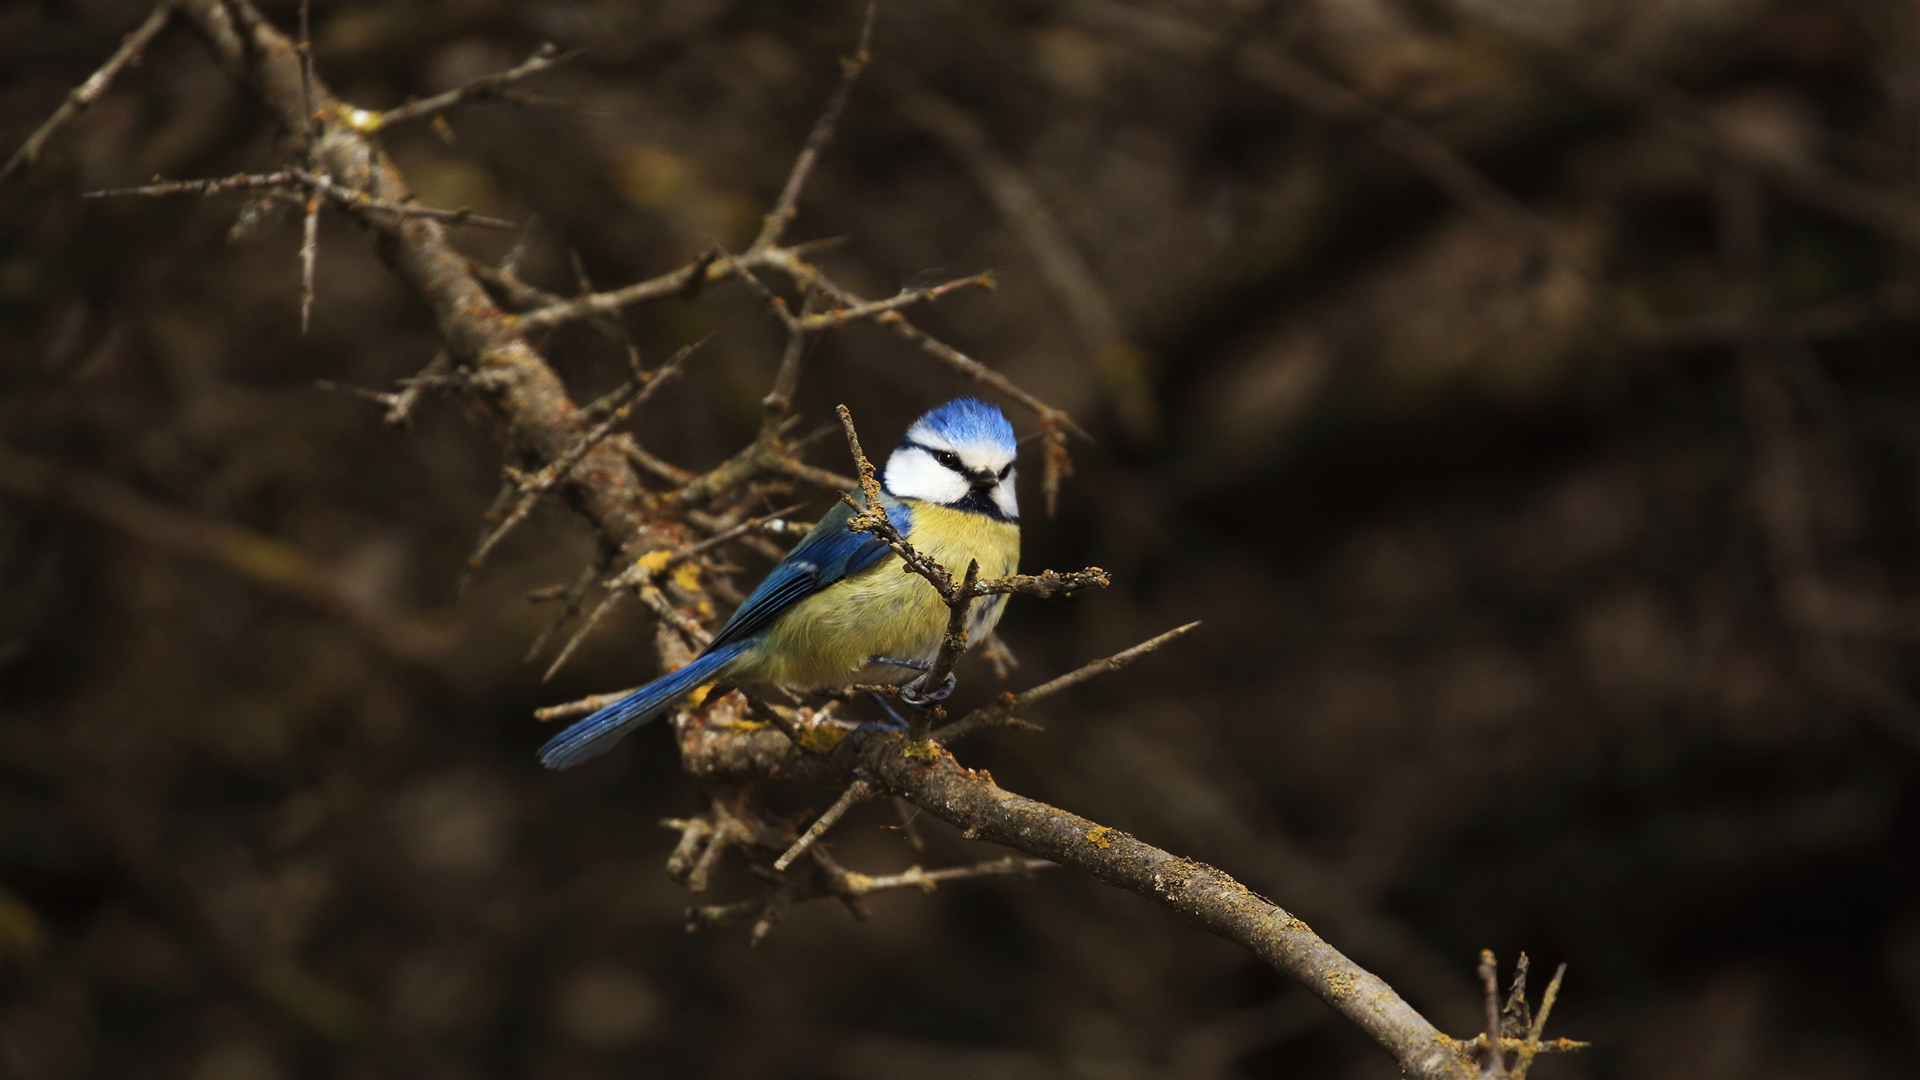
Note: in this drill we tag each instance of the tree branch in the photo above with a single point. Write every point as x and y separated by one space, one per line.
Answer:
718 744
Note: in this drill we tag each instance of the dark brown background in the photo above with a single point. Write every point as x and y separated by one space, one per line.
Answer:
1518 633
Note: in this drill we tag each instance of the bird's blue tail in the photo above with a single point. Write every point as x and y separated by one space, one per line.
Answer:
596 734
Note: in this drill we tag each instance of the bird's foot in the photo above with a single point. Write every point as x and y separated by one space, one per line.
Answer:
927 699
896 661
895 724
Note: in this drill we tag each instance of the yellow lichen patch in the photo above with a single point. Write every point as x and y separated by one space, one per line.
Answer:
699 696
1339 984
653 561
687 576
924 750
1097 836
821 738
742 727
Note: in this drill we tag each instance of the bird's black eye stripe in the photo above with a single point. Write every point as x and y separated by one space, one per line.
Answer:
1005 471
948 458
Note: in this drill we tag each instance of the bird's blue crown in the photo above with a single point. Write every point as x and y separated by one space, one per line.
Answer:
969 421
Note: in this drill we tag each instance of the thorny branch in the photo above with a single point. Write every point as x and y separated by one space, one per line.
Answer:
530 486
319 185
556 445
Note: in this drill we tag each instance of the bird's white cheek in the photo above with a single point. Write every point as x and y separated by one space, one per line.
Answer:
1005 499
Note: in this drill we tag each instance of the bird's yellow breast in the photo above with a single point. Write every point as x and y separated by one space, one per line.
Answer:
885 610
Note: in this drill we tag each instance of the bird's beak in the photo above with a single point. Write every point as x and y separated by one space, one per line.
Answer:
983 478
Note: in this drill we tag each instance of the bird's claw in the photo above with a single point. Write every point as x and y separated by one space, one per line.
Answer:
926 699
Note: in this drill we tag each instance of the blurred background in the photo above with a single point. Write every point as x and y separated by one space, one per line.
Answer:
1523 394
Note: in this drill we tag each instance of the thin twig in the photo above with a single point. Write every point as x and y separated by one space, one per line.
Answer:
1495 1067
850 68
305 47
906 811
928 880
600 611
569 597
355 199
84 95
1062 266
839 317
400 411
533 485
309 253
776 305
640 576
825 885
316 183
210 186
703 271
954 641
826 478
731 533
786 379
806 274
1531 1045
857 792
998 714
481 89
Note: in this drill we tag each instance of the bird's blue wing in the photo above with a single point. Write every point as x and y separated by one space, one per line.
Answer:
826 555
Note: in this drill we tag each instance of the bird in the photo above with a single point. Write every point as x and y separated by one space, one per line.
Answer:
839 609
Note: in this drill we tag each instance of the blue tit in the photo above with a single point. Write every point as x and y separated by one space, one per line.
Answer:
839 609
